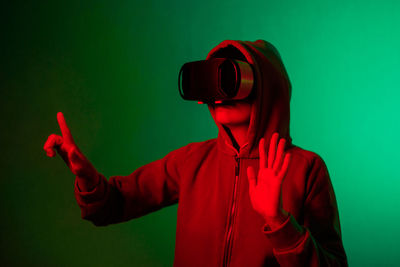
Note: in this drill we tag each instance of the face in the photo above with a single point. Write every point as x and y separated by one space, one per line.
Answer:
233 113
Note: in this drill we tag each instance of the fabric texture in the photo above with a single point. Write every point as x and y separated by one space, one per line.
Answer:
216 224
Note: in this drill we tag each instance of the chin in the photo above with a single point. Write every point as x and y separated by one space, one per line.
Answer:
229 121
230 115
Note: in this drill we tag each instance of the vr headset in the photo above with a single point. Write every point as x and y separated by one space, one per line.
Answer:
216 80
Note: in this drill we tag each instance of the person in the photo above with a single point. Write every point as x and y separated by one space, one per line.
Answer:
248 197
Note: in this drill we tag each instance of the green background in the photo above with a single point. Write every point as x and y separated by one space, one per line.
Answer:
111 67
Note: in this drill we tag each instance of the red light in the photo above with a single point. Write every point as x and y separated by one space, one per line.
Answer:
199 102
218 102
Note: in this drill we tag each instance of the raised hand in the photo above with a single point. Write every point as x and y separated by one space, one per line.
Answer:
69 151
265 190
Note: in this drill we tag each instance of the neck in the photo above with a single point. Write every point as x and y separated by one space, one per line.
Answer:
238 134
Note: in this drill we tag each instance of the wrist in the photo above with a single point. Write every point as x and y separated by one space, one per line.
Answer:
276 221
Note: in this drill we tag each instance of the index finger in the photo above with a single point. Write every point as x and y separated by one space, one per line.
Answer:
64 128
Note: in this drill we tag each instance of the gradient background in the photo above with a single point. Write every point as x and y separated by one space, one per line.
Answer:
112 67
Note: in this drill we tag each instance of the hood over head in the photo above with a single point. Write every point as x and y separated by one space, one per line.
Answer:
271 110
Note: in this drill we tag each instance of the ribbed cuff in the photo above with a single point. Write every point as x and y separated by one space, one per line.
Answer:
96 194
286 236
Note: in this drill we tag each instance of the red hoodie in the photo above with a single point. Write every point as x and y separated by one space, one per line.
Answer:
216 224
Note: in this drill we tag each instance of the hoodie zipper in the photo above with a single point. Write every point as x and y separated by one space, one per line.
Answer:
228 241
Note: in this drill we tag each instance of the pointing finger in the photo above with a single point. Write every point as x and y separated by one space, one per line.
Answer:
64 128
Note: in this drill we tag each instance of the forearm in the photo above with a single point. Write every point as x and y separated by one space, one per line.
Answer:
100 203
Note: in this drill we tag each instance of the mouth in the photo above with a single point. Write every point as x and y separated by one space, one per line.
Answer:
224 105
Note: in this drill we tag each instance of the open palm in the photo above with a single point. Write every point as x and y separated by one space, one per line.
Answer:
265 190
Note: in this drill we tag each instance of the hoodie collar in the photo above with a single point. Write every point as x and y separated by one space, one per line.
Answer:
271 111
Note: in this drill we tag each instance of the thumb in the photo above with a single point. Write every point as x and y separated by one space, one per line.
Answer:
252 177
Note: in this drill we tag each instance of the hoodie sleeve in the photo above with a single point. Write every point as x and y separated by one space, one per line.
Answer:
149 188
318 242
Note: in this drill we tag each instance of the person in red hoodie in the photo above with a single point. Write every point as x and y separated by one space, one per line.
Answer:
246 198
